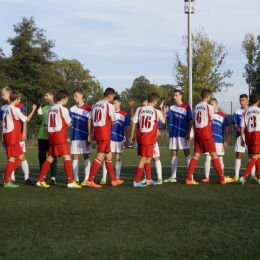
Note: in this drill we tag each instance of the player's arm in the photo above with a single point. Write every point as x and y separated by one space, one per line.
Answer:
187 136
132 109
242 131
132 132
226 136
29 117
237 128
39 116
90 131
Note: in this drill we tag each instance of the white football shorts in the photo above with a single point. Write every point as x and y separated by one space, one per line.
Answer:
80 147
117 147
176 143
156 151
238 148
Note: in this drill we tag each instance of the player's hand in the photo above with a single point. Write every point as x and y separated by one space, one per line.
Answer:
89 140
166 109
238 130
34 107
23 137
132 103
225 144
39 111
187 137
161 105
243 142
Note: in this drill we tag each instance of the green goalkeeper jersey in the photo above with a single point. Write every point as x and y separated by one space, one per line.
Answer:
41 120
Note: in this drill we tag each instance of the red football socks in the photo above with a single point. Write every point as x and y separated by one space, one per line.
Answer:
10 167
218 168
68 170
110 170
44 170
138 174
94 169
148 171
192 165
257 165
249 167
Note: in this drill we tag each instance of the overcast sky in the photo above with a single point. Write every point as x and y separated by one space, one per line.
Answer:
120 40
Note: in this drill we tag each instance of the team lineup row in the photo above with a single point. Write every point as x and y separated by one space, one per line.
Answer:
107 124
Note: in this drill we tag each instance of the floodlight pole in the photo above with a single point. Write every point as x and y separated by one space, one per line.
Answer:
189 8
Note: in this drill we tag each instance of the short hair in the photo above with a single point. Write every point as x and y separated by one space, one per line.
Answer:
109 91
50 91
254 98
178 91
78 90
205 92
144 99
117 98
213 99
61 94
8 89
152 97
243 96
14 94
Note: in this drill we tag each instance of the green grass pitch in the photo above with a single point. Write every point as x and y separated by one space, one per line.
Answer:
169 221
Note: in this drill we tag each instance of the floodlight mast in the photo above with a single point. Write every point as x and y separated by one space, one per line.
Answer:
189 8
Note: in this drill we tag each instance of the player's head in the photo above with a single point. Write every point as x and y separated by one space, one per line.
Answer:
109 94
205 94
62 96
116 103
78 95
49 95
153 98
254 98
214 103
177 96
243 99
15 97
6 93
144 102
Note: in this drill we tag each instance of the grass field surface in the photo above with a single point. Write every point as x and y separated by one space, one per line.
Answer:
169 221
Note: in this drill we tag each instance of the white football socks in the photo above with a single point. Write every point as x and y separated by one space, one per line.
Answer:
118 169
158 167
207 165
75 167
174 166
25 169
104 171
87 168
237 167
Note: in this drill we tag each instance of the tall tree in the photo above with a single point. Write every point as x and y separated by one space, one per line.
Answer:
251 49
74 76
207 62
30 64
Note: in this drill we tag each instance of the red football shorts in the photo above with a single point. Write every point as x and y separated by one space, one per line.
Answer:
253 149
104 146
14 150
204 146
146 150
59 149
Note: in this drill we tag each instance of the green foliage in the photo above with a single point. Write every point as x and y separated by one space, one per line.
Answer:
251 49
208 57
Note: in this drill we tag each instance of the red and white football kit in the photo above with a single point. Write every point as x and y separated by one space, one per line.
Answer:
12 130
251 122
204 141
102 114
147 118
202 116
57 120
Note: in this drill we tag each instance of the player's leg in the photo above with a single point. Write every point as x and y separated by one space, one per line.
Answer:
104 168
139 171
173 146
87 166
118 165
157 163
192 167
45 167
206 167
257 165
75 150
239 152
253 177
53 171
